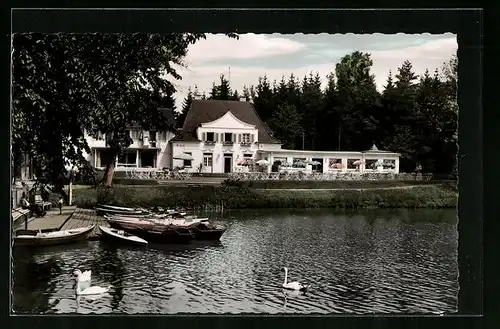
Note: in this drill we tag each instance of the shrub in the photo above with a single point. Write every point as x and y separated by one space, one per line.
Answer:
242 197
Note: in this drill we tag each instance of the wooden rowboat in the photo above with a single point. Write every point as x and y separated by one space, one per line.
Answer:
34 238
115 235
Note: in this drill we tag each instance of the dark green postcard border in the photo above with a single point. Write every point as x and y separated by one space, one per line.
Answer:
466 23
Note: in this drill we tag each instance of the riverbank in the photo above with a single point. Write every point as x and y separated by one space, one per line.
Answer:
237 197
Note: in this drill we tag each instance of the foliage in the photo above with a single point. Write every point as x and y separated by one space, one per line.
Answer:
425 196
286 122
68 84
223 91
415 116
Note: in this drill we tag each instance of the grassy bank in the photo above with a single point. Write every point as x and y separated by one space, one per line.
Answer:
425 196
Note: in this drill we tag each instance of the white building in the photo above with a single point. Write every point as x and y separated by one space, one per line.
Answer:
150 149
219 134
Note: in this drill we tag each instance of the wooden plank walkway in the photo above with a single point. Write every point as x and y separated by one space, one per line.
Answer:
85 217
52 220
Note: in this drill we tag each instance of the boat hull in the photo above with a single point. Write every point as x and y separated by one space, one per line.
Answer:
104 211
109 234
205 233
158 235
31 238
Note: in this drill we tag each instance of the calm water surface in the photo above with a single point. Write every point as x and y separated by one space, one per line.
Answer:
382 261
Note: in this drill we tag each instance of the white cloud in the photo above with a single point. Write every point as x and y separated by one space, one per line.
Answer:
219 46
429 55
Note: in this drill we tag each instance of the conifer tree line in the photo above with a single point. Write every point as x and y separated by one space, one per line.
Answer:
416 116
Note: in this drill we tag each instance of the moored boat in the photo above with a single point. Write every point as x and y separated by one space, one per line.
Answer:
111 207
155 233
204 232
121 236
103 211
34 238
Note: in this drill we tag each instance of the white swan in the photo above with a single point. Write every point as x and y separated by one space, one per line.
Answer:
82 276
95 290
293 285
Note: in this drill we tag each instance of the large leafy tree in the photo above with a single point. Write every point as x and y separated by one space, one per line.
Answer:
358 98
65 84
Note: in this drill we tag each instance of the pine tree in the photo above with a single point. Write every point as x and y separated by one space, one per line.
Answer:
185 107
311 101
264 99
285 123
221 91
246 93
330 123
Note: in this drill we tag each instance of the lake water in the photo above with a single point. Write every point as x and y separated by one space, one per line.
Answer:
371 261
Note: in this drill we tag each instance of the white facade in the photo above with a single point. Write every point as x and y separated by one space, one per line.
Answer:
223 143
328 159
150 149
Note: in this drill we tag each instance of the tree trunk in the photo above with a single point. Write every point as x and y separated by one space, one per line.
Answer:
108 173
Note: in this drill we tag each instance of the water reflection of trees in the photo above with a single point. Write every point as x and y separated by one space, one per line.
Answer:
33 283
108 267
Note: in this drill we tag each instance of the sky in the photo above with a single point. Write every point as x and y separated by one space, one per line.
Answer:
243 61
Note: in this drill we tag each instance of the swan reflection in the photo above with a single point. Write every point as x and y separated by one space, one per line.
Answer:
290 294
86 298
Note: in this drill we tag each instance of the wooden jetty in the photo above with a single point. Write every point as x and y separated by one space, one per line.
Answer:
71 217
85 217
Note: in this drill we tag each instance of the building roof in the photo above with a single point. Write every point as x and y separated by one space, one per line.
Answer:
202 111
374 149
167 113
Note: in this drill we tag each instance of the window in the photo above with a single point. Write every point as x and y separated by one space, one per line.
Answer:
247 155
299 162
335 163
162 136
210 137
228 138
245 139
389 164
135 134
187 163
127 159
371 164
152 135
207 159
280 160
102 157
353 163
